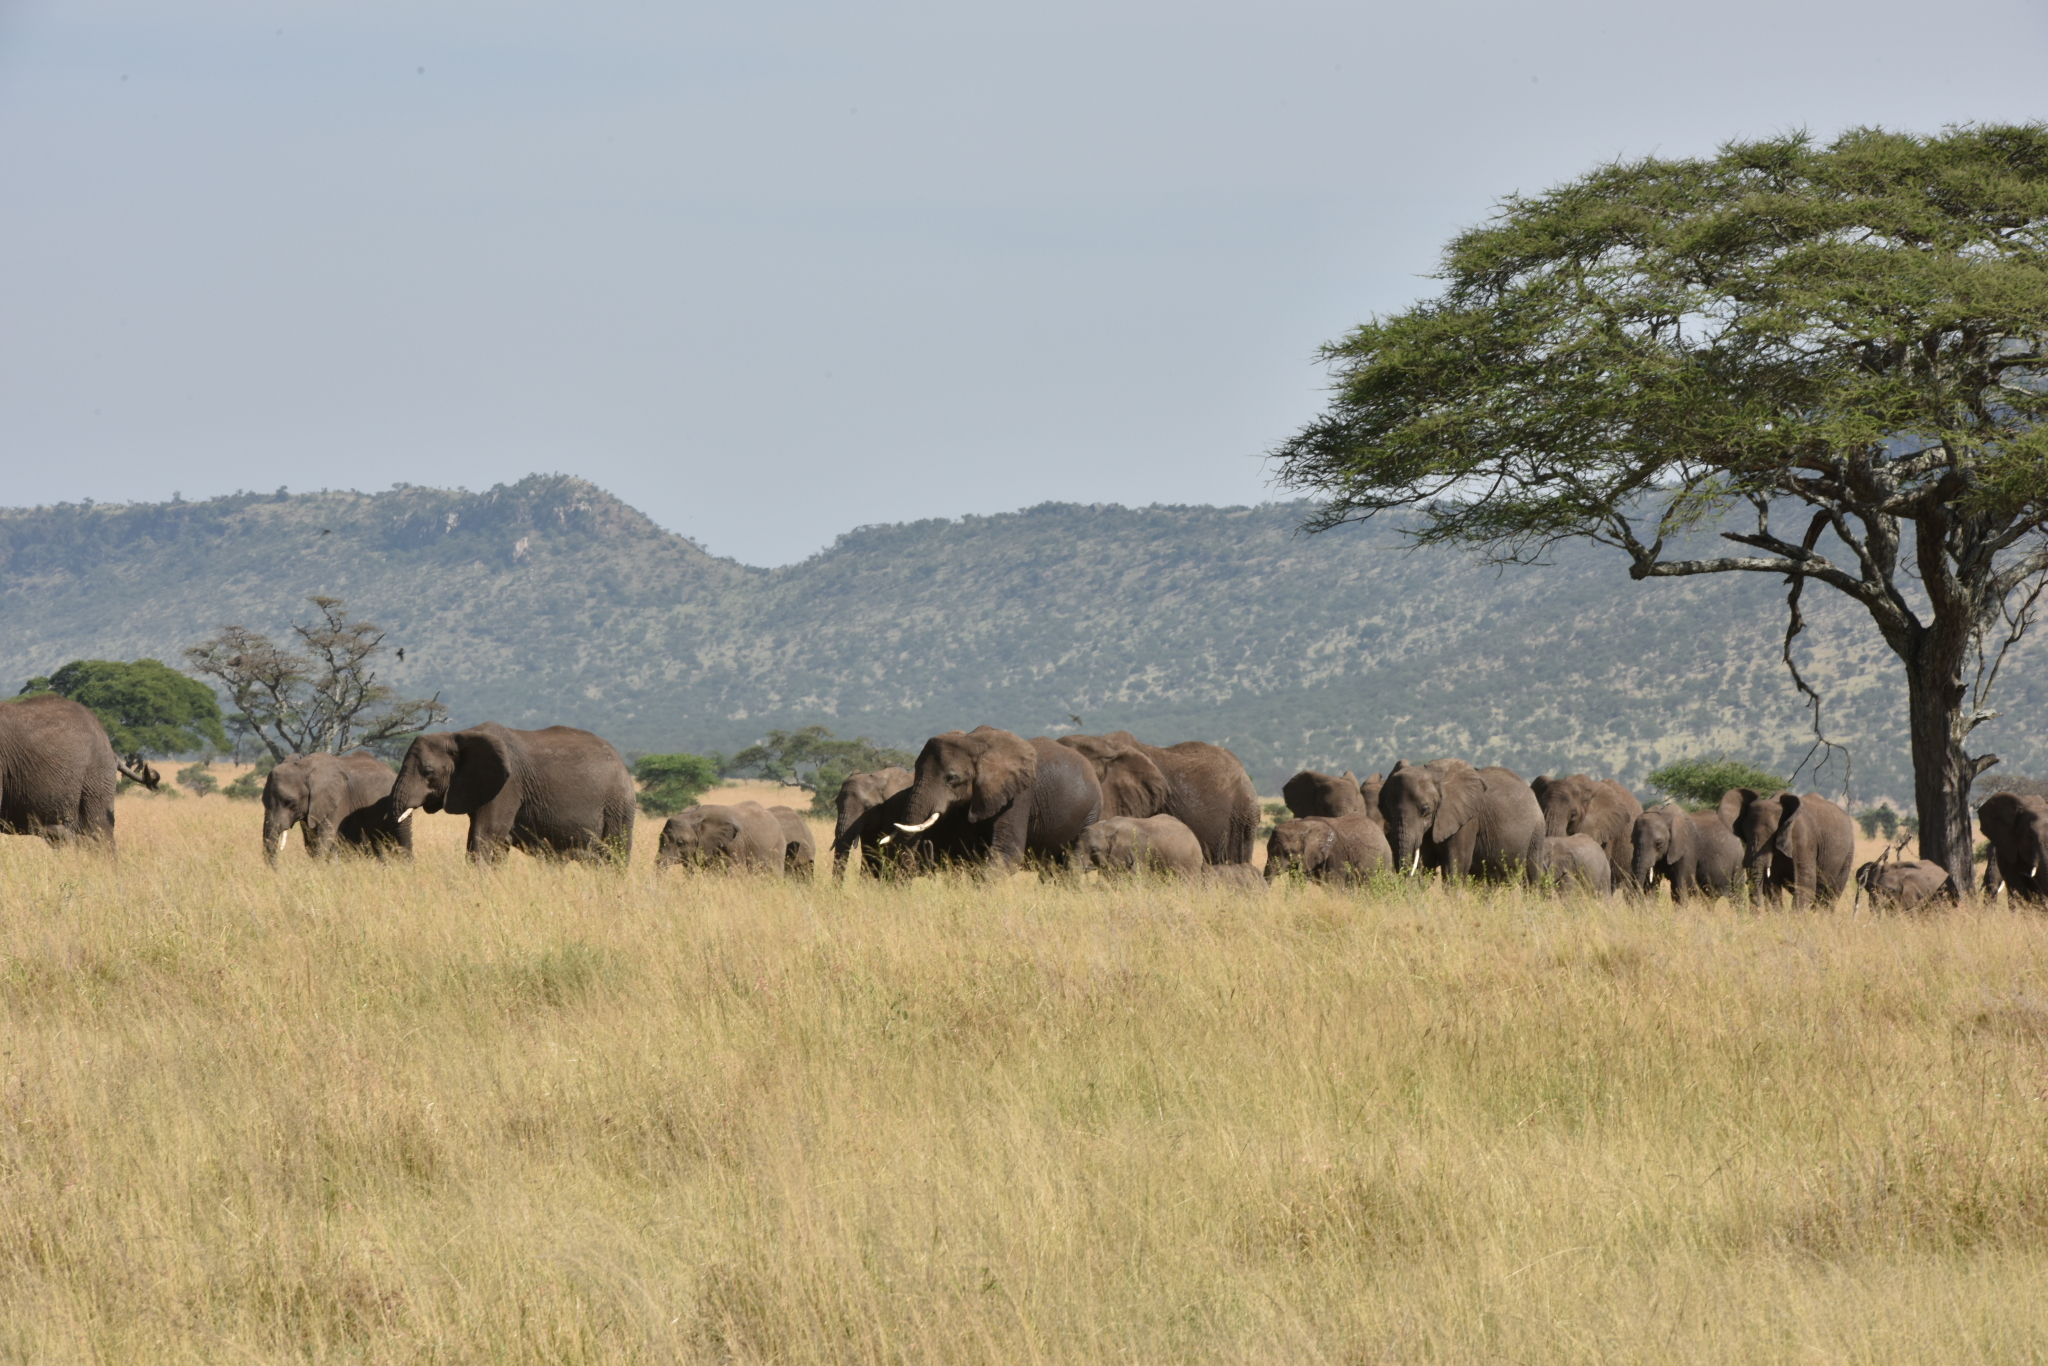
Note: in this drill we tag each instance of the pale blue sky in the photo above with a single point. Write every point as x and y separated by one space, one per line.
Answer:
772 271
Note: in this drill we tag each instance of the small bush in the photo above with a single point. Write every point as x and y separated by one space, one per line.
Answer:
199 778
249 787
670 782
1878 820
1696 784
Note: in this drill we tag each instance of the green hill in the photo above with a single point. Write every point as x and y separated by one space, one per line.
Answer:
551 601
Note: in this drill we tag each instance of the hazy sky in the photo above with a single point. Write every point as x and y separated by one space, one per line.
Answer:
771 271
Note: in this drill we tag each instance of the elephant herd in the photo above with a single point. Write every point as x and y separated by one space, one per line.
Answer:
994 799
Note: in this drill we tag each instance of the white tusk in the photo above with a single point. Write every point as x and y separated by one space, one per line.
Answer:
1415 864
282 836
885 839
929 822
406 814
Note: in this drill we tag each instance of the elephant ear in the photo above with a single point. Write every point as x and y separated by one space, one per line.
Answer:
1788 807
1004 770
1132 785
1734 802
1462 790
1539 785
483 765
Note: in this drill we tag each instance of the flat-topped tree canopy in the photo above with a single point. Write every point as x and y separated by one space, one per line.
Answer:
1665 347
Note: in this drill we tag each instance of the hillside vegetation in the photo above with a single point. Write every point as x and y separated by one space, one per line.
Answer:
550 601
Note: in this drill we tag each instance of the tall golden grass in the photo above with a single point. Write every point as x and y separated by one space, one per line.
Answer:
356 1112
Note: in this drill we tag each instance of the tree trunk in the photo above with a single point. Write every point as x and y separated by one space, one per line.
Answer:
1942 769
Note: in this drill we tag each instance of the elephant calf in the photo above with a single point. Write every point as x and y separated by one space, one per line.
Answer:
742 835
1907 885
1574 859
1131 844
1341 849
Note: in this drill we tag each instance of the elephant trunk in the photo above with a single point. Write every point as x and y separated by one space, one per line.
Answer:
277 830
1643 865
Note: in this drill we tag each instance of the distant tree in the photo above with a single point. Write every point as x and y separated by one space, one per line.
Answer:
199 778
2017 784
249 787
1697 784
325 699
1878 820
147 707
1857 330
813 760
670 782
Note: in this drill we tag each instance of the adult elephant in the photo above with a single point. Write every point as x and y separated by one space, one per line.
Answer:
1691 850
862 819
1203 786
1461 821
559 791
744 835
58 771
2018 830
1602 808
1341 849
340 800
992 795
1806 845
1309 793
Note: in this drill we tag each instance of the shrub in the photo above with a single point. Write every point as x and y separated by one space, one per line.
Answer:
249 787
199 778
670 782
1696 784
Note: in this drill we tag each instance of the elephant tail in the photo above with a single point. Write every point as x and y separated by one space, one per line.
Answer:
1242 833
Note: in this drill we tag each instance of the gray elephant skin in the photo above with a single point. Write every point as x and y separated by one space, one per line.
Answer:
1602 808
1693 851
341 801
1907 885
556 792
1201 785
1574 861
1804 845
59 772
799 846
991 796
863 821
2017 828
1138 844
1340 849
736 835
1461 821
1309 793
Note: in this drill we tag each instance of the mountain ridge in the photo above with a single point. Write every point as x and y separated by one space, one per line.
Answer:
551 600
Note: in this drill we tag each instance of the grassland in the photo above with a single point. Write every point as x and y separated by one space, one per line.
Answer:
372 1113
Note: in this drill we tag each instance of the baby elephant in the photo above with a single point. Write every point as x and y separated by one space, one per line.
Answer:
742 835
1130 844
1912 884
1341 849
1576 859
799 847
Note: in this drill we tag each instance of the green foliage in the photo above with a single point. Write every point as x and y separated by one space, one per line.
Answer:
1697 784
146 707
812 759
249 787
670 782
199 778
1878 820
1275 813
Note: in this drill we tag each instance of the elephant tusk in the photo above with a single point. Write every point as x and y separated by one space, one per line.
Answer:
1415 864
929 822
885 839
406 814
282 836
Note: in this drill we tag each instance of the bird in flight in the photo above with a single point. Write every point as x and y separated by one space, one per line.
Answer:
325 532
1075 719
401 654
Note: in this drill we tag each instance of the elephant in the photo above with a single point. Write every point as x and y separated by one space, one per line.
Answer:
991 795
1691 850
1575 859
862 820
1341 849
1604 809
341 800
1309 793
1907 885
2018 830
558 791
1135 844
800 847
1460 820
1199 784
744 835
1803 844
59 772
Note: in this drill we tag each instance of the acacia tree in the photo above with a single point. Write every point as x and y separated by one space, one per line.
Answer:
1857 332
325 699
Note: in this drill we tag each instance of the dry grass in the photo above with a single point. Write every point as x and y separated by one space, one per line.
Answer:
540 1113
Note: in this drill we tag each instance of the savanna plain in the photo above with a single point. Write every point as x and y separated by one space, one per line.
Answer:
363 1112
